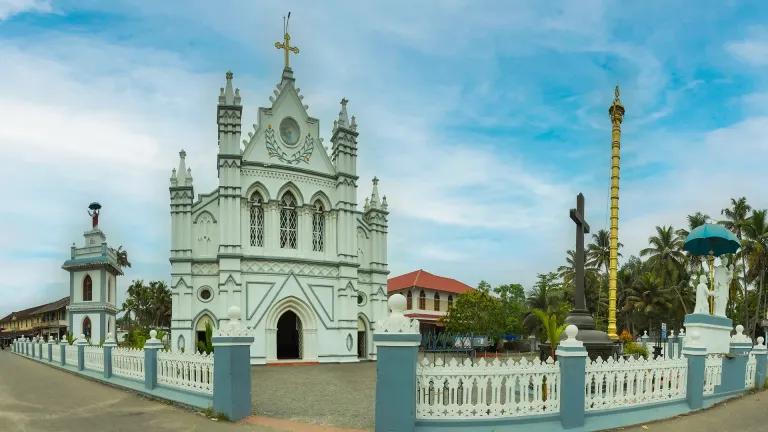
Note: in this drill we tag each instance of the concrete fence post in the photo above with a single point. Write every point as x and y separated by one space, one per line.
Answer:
150 360
232 367
81 342
761 356
735 365
572 357
63 351
40 346
397 341
51 342
671 344
107 346
696 354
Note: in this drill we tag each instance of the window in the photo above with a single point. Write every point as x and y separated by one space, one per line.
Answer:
257 220
450 301
422 300
87 327
318 228
205 294
87 289
437 301
409 300
288 221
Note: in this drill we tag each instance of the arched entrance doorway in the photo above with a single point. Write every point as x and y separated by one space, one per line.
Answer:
200 332
362 339
87 327
288 336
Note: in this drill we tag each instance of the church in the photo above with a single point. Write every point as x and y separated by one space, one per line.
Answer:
281 237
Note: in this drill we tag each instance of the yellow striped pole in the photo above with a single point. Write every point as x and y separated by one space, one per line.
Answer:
616 112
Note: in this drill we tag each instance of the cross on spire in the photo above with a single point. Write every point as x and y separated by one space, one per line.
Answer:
582 227
286 44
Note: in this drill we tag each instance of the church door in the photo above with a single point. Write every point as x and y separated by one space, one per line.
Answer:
362 338
289 336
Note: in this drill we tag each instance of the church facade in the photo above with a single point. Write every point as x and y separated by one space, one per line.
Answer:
281 237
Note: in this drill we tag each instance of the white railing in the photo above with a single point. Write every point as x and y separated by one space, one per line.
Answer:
634 381
94 358
493 388
70 355
749 380
192 372
713 372
128 363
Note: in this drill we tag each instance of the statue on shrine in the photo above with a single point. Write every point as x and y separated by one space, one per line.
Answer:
702 295
93 212
723 277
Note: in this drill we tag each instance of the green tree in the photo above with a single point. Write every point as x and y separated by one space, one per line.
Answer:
547 294
477 312
648 297
736 220
667 259
122 257
512 297
149 306
598 255
206 346
756 251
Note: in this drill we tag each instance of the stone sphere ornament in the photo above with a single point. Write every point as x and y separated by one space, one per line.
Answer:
396 303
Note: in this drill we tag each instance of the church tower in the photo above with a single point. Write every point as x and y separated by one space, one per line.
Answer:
181 194
93 271
228 120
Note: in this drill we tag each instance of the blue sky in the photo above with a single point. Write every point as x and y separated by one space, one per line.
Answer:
483 120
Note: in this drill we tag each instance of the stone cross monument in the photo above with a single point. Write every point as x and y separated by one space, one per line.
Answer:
597 343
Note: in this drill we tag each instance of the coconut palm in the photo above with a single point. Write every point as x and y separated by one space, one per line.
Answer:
667 259
736 219
648 297
122 257
756 250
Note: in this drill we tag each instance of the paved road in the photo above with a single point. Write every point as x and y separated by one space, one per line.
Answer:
746 414
36 397
326 394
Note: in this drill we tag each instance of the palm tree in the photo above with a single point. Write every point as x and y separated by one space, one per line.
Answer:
122 257
666 257
756 249
736 221
551 326
648 297
568 274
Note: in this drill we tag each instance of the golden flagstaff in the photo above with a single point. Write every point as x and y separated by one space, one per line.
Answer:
616 112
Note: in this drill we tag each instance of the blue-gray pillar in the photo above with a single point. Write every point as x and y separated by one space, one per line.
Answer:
63 352
108 345
761 356
232 368
572 357
735 365
671 344
150 360
397 343
40 351
50 350
81 342
696 354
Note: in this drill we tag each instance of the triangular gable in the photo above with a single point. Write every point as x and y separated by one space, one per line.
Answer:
266 144
292 287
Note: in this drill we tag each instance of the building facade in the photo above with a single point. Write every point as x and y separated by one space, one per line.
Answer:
281 237
428 296
45 320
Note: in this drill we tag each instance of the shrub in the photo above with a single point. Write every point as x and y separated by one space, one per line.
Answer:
625 336
631 348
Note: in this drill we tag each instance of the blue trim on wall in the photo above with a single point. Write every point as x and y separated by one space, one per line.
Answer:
708 319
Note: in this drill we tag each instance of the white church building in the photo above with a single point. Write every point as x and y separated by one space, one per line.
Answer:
281 237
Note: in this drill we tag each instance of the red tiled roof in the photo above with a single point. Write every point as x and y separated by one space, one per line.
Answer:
424 279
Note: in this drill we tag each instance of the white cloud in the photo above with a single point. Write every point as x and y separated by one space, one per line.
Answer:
752 49
9 8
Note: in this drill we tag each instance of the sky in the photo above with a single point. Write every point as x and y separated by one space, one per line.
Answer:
483 120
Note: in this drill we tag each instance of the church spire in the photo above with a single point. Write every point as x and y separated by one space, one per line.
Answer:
375 201
343 120
183 175
228 96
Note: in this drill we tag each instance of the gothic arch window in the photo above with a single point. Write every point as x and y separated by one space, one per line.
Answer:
450 301
257 220
437 301
87 289
288 221
409 300
318 227
422 300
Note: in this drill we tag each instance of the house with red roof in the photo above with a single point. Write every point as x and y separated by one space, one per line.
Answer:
428 296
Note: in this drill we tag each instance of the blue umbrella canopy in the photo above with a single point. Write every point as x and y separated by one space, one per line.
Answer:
711 239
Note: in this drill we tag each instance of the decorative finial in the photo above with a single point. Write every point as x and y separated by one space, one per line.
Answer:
616 92
228 95
286 44
343 116
616 111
